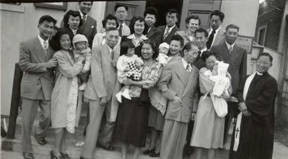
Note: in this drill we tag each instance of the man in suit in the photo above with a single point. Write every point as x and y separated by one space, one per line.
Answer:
101 89
37 83
168 30
216 31
236 57
89 24
121 12
254 133
178 83
150 16
201 36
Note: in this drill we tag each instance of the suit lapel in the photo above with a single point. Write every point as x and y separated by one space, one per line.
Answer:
181 72
40 52
191 80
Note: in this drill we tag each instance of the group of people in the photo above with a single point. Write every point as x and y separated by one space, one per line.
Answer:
155 87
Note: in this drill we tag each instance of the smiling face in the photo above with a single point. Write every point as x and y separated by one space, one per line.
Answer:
175 47
74 22
85 7
46 29
193 25
263 64
139 27
150 19
211 62
82 45
111 23
191 55
65 42
147 51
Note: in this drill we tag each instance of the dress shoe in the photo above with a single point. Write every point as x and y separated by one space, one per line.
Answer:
41 140
28 155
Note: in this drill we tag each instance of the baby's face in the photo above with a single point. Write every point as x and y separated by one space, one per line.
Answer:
130 51
82 45
163 50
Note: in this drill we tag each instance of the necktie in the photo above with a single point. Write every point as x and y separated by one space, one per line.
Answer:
210 39
45 45
188 68
84 18
230 49
120 30
166 33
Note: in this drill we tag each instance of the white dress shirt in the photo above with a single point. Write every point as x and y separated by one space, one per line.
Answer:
44 43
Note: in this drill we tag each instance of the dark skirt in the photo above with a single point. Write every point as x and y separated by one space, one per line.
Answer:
156 119
132 120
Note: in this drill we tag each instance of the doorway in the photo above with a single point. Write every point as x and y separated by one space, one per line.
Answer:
163 6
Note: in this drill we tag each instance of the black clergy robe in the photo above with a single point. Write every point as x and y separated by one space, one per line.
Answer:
257 130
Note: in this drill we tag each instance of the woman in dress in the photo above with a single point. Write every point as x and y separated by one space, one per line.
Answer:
208 131
65 93
132 119
192 24
137 36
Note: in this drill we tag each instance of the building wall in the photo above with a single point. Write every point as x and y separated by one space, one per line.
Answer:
19 23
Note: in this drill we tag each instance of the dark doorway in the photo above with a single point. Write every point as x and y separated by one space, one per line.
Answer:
163 6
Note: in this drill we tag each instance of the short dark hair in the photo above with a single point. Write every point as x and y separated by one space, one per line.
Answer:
207 54
85 1
125 45
111 29
232 26
133 21
47 18
218 13
120 5
72 13
55 41
109 17
179 38
171 11
201 30
151 10
153 46
187 47
266 54
196 17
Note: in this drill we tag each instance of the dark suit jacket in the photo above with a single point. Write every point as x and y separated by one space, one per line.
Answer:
37 82
88 28
154 35
161 30
176 81
237 61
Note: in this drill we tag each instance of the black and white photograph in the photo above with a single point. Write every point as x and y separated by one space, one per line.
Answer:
144 79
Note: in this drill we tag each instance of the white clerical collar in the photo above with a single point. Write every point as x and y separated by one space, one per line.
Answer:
258 73
42 41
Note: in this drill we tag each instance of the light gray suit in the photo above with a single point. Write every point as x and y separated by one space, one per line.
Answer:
102 83
36 88
176 81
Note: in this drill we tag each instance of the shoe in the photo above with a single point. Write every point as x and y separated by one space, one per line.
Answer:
154 154
65 155
148 152
41 140
28 155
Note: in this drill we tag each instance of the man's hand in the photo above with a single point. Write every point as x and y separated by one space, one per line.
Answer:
243 108
177 100
103 100
51 63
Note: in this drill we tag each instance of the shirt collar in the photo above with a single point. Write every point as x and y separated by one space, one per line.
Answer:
42 41
211 29
258 73
170 28
228 45
202 50
132 36
184 62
